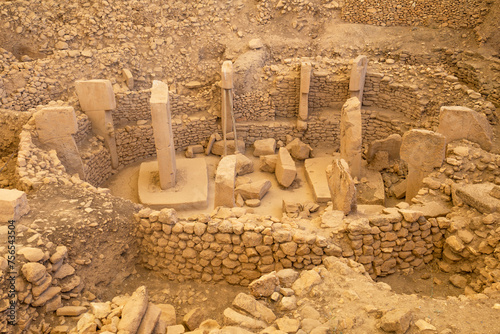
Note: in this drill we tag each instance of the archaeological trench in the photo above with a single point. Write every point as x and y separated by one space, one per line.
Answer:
249 166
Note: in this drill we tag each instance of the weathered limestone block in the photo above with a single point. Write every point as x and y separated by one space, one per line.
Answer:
218 147
252 306
162 129
128 78
391 144
224 182
298 149
265 285
358 74
254 190
350 135
150 319
342 188
167 314
396 321
13 204
463 123
231 317
56 127
285 168
423 150
194 318
268 163
243 164
305 282
264 147
133 311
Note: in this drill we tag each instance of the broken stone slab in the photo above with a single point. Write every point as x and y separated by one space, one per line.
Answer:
168 314
457 122
231 317
100 310
264 147
150 319
194 318
70 311
350 135
252 306
46 296
133 311
298 149
31 254
224 182
268 163
316 177
424 327
128 78
13 204
243 164
399 190
397 321
218 147
285 168
175 329
433 209
254 190
423 150
265 285
477 196
391 145
342 188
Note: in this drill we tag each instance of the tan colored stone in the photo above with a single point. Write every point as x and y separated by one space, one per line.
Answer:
350 135
264 147
13 204
285 168
134 310
358 74
254 190
224 182
341 184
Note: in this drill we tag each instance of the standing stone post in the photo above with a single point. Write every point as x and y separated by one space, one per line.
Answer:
350 135
305 83
342 188
225 178
423 150
162 129
97 100
227 101
358 74
56 127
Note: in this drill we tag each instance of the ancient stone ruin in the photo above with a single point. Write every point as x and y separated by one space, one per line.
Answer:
271 166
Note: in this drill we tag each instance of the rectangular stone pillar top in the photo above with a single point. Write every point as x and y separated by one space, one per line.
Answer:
159 92
95 95
358 73
305 77
227 75
55 122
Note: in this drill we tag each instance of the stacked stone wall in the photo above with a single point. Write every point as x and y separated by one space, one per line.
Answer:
445 13
254 106
238 250
326 90
96 165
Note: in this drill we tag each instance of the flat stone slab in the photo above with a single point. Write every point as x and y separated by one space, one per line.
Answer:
371 189
316 177
477 196
189 192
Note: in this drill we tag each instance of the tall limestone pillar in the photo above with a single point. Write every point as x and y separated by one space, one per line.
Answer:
350 135
97 100
162 129
227 102
305 83
358 74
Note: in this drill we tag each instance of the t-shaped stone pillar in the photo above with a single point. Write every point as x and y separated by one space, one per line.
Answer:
305 83
56 127
358 73
350 135
164 138
423 150
97 99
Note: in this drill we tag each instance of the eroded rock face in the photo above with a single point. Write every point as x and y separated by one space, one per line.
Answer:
342 188
457 122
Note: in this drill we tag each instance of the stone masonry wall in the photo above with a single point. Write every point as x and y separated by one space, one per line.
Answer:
239 247
96 164
254 106
444 13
